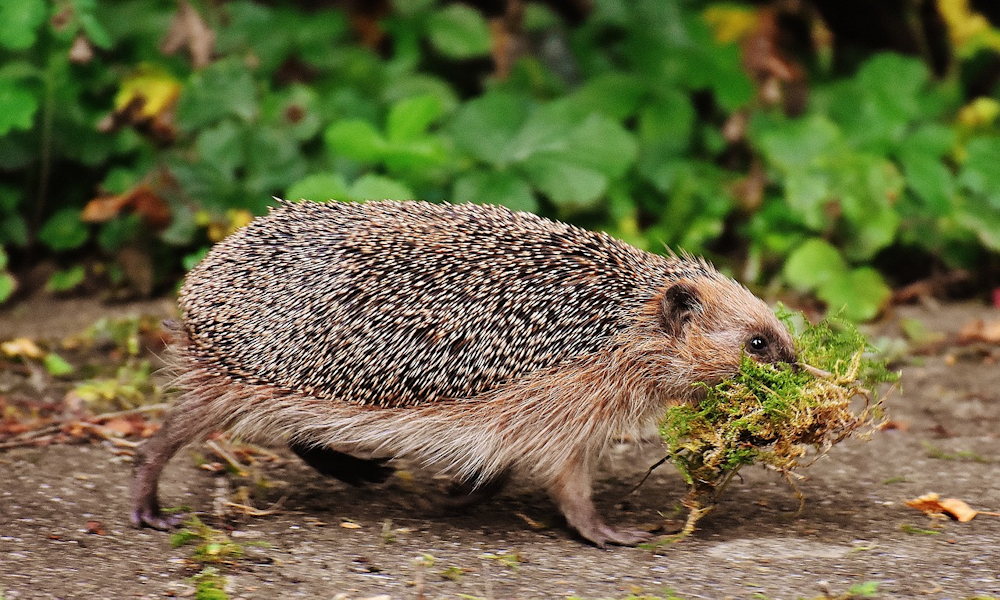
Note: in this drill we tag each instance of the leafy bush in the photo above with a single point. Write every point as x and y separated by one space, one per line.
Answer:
116 149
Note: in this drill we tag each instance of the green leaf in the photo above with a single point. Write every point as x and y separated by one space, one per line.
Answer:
866 589
667 123
459 31
495 187
930 180
222 147
19 22
538 17
799 144
57 365
602 145
119 180
568 185
251 27
930 139
64 230
355 139
182 228
875 109
7 286
409 119
66 279
897 82
224 88
10 198
813 264
295 110
319 187
807 194
119 231
377 187
871 233
96 32
860 293
273 163
17 107
983 219
417 84
545 130
416 159
14 231
484 127
615 95
981 169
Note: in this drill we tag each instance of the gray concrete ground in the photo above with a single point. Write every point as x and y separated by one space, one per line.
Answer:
854 527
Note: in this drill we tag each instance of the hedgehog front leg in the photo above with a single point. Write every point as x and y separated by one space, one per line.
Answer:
572 492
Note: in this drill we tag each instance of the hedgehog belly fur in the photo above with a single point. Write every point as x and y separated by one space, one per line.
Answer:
536 424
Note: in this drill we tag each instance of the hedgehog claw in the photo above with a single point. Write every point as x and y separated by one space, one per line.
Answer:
151 516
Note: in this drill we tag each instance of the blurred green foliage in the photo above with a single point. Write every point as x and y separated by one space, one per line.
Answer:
618 123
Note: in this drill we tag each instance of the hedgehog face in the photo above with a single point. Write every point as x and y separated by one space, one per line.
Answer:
710 323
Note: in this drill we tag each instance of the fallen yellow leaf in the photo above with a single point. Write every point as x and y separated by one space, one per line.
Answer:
22 347
152 89
958 509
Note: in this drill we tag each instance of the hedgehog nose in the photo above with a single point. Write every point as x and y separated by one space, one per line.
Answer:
787 355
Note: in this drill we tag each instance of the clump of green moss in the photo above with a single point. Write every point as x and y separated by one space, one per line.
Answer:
773 414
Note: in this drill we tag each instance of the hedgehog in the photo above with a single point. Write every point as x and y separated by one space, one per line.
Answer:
472 339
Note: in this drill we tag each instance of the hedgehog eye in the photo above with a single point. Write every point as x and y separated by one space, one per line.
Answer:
757 344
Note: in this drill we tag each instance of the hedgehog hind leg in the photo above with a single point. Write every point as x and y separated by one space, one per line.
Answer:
339 465
186 421
571 490
466 494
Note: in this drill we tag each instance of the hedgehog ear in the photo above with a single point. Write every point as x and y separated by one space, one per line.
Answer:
679 303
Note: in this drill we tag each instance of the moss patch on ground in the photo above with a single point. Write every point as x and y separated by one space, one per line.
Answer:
773 414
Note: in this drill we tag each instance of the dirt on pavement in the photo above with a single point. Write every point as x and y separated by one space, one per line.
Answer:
400 544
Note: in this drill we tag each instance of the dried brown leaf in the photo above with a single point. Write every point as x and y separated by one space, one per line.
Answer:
96 528
81 52
188 30
932 504
979 330
121 426
893 425
141 199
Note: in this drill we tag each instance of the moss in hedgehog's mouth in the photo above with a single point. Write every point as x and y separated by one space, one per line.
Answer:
771 413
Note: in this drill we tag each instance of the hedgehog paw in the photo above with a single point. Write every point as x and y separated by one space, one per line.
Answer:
601 534
150 515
